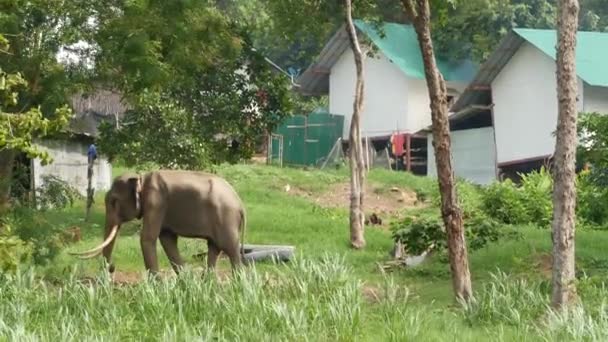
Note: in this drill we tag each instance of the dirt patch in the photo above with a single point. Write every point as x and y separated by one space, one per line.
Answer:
126 278
380 200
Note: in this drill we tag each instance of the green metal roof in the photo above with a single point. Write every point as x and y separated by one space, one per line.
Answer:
591 52
400 45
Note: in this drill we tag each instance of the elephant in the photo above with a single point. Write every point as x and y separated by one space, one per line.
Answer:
172 204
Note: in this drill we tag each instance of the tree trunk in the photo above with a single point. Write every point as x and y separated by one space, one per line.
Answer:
7 159
564 191
450 211
357 176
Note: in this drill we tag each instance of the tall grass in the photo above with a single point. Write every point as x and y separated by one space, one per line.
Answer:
508 301
306 300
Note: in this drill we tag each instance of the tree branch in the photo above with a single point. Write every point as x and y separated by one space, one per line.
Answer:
408 6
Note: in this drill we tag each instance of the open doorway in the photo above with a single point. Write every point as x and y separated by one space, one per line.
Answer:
21 184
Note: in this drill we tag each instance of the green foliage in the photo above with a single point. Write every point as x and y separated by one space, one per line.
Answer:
38 30
19 129
33 229
55 193
592 201
508 301
475 27
158 130
530 203
420 235
537 187
426 233
318 299
13 251
195 84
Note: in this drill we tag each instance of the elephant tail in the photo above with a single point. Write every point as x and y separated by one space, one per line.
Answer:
243 226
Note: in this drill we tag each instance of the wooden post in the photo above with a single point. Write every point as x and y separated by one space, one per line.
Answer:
408 151
90 189
367 153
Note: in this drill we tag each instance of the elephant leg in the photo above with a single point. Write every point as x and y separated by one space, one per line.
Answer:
213 253
234 254
168 240
148 237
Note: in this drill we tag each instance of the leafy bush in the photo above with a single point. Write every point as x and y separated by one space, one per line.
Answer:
469 196
32 228
56 193
13 251
530 203
537 188
504 202
428 232
53 193
420 234
592 201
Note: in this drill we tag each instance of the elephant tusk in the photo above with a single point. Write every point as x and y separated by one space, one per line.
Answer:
95 251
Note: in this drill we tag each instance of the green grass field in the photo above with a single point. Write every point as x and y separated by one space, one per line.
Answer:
329 293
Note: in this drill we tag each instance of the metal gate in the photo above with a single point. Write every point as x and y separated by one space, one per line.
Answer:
305 140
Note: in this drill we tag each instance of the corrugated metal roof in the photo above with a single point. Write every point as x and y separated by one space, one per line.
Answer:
315 79
399 44
591 52
591 56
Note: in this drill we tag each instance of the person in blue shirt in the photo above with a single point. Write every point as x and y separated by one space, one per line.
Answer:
92 152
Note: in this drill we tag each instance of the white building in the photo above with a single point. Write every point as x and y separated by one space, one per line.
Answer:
503 123
396 96
69 151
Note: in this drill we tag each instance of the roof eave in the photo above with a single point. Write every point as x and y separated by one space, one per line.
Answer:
315 79
489 70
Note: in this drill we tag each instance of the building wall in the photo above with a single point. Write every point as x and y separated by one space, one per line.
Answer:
393 101
473 155
419 108
70 164
385 102
525 106
596 99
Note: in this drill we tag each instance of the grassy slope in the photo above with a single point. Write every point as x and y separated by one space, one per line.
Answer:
278 218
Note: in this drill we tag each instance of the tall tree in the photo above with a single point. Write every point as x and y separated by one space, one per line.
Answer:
419 13
357 172
193 80
19 128
38 30
564 192
317 20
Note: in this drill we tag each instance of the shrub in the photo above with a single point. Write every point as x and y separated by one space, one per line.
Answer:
530 203
419 234
428 232
13 251
592 201
55 193
504 202
32 228
537 188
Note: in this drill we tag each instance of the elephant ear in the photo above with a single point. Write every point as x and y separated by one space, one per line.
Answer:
135 185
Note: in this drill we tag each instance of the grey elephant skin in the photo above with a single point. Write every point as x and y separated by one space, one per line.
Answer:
172 204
